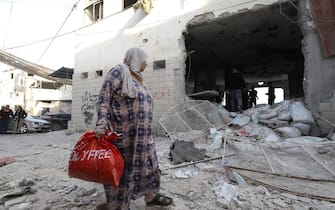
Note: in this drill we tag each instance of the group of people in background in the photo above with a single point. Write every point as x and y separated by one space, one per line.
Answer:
241 98
11 120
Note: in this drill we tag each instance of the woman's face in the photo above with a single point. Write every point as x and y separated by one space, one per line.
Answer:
143 66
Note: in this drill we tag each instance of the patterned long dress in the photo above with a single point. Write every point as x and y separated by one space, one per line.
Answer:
133 118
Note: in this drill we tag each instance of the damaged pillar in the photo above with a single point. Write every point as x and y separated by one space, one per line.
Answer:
319 72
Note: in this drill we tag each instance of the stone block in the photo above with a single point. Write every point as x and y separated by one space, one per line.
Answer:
329 116
325 107
324 127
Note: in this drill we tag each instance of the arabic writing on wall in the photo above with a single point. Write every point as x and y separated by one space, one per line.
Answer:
89 105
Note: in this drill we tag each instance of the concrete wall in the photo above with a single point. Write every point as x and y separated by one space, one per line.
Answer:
319 71
103 44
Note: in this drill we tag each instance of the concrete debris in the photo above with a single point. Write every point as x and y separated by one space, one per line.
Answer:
182 151
283 144
225 190
70 188
185 173
17 193
222 165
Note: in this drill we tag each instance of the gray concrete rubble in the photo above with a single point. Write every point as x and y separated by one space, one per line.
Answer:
244 165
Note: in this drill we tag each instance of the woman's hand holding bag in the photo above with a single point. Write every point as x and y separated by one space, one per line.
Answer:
96 159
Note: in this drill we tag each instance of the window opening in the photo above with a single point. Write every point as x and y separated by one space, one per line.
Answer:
84 75
98 73
160 64
95 11
128 3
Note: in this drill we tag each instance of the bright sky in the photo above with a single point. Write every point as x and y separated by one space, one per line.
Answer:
26 21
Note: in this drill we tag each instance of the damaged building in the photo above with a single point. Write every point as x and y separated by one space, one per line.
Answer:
194 44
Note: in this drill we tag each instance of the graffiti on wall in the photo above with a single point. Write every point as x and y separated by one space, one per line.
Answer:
90 100
89 106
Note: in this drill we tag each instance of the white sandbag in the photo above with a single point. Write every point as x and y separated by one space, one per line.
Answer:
241 120
257 132
285 116
263 107
270 135
288 132
267 115
303 127
254 117
250 111
299 113
253 114
282 106
305 139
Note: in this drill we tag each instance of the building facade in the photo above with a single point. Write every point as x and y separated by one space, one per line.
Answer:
194 44
33 93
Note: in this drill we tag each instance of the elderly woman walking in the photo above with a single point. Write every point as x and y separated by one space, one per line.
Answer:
126 106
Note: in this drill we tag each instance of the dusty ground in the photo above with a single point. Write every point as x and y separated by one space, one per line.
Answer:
39 180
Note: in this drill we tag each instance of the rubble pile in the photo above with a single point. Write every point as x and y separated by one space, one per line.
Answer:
250 160
270 146
288 119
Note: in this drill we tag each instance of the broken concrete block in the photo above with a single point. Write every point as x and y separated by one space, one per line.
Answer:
182 151
222 203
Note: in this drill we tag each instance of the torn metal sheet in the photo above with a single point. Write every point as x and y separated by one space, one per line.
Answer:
193 119
305 160
315 189
304 169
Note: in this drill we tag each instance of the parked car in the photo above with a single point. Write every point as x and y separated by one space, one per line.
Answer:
30 124
58 120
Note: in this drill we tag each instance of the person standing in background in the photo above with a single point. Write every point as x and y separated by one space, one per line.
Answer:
2 120
253 97
271 94
19 115
235 86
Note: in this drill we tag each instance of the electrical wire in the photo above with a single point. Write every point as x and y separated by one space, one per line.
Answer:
67 17
98 32
10 15
80 28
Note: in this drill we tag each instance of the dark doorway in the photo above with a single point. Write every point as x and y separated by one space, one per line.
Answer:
264 43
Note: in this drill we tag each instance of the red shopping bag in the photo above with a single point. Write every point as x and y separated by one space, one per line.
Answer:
97 159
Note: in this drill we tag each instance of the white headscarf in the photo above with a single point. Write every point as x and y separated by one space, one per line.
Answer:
132 61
